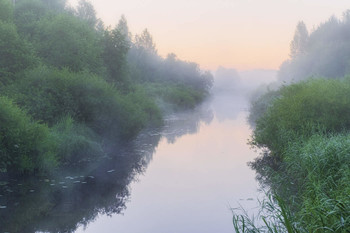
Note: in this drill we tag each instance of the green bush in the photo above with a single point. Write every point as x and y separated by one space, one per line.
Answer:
306 129
16 54
65 41
25 145
75 142
303 109
87 98
178 96
6 11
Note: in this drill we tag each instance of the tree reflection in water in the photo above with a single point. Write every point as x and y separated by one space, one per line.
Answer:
76 196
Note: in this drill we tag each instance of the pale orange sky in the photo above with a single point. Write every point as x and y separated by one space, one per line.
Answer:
241 34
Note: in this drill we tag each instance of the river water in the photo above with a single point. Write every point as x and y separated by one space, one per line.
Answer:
182 178
197 173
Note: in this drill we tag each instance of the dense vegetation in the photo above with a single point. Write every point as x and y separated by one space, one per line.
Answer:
71 89
303 129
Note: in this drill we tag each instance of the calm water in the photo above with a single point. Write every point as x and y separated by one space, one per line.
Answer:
198 170
182 178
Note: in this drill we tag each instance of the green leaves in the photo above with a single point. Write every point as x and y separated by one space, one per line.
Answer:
6 11
25 145
302 109
64 41
16 54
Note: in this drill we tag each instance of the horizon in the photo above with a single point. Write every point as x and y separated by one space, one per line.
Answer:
238 34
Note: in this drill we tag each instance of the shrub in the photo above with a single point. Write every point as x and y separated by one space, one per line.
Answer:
87 98
301 110
16 54
76 142
178 96
25 145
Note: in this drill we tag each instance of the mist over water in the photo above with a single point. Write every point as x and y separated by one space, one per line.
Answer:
197 173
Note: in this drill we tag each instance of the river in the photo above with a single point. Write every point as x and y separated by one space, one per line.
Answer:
183 178
193 178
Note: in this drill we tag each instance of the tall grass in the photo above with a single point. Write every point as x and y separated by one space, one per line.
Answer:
273 217
307 164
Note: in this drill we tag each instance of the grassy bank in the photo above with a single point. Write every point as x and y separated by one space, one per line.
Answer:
304 131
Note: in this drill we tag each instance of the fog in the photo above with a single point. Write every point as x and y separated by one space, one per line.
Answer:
243 82
322 51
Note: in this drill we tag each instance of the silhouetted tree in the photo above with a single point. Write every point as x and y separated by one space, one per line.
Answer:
299 42
86 11
116 44
145 42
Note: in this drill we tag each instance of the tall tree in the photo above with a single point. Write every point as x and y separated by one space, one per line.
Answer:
299 43
116 46
145 42
86 11
123 28
65 41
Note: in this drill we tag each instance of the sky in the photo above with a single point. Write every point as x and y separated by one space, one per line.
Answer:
240 34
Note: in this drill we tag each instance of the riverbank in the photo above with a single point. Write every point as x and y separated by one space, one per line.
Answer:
73 90
305 132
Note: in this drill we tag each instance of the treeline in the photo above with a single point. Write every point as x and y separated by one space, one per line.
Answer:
303 128
324 52
70 87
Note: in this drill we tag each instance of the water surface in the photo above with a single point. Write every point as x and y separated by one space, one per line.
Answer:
197 172
182 178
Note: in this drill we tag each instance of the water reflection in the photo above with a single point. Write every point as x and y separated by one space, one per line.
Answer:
75 197
180 124
191 184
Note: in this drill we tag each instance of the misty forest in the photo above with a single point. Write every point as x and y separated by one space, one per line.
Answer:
101 133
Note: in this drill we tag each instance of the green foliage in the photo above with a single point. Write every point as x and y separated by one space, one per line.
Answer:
71 74
259 105
27 14
116 45
306 128
6 11
85 97
16 54
313 181
75 142
25 145
179 97
64 41
274 217
85 11
302 109
320 167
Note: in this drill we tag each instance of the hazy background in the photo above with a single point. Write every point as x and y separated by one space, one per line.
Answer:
241 34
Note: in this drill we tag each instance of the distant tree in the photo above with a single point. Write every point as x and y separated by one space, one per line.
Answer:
145 42
100 27
86 11
299 43
116 44
123 28
55 5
